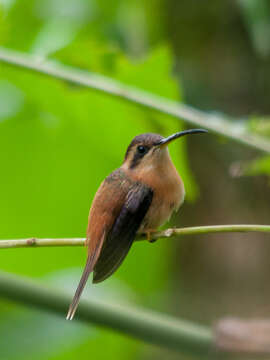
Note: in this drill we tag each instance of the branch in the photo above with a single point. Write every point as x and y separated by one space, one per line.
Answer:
196 230
148 326
221 125
228 335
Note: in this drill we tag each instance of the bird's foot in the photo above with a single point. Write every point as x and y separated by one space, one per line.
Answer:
149 236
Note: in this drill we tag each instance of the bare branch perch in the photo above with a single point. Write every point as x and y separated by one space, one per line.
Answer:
196 230
219 124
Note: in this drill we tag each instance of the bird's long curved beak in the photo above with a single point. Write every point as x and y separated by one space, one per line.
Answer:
170 138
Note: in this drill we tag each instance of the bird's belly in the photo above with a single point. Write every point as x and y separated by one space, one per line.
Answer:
161 210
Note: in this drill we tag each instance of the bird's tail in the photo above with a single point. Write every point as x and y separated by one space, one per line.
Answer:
75 302
90 264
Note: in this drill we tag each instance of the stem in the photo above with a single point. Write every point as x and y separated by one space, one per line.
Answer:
221 125
148 326
196 230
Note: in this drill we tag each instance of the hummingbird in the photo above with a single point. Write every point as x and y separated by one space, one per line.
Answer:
136 198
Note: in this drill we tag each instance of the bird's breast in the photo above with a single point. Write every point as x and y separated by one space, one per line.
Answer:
168 195
167 198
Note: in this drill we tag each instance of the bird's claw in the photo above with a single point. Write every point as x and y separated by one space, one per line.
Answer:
149 236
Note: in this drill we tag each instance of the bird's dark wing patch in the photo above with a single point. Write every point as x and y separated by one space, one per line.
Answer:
120 238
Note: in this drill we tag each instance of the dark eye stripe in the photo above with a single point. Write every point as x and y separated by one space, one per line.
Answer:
141 150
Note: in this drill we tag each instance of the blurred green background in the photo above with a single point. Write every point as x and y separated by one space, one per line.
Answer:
58 141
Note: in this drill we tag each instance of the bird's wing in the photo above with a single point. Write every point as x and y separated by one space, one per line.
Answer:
123 231
116 213
105 207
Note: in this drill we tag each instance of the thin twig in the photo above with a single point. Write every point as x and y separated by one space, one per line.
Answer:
219 124
196 230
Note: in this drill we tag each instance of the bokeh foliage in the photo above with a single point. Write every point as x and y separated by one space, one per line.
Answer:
57 143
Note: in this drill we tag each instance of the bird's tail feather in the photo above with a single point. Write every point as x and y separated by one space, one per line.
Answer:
90 263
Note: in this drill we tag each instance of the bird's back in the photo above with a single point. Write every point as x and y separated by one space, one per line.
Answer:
118 210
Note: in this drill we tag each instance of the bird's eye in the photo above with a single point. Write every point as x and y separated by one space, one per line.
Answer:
142 149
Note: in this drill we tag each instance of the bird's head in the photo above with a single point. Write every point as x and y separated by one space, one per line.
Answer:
148 150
